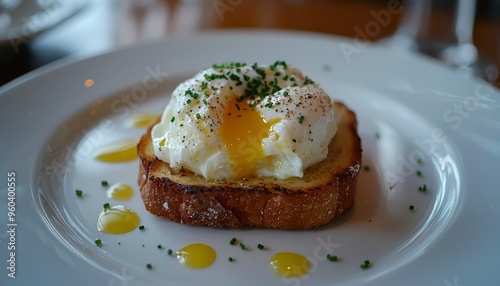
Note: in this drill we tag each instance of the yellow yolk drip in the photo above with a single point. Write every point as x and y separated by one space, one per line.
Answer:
196 256
117 220
141 120
121 151
120 192
289 264
242 131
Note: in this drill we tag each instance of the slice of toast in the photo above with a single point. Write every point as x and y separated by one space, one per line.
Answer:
326 190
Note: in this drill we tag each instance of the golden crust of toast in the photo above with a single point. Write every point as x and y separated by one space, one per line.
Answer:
326 190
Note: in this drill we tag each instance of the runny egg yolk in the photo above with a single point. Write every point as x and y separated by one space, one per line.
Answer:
120 192
117 220
120 151
242 131
290 264
196 256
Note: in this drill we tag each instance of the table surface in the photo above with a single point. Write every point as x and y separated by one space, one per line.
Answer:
106 25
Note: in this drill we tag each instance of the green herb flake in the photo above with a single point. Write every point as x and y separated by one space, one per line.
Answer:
188 101
230 259
169 251
242 246
160 246
301 119
269 105
411 207
172 119
260 246
332 258
420 161
232 241
79 193
423 188
365 265
106 206
98 242
285 93
198 116
419 173
141 227
149 266
104 183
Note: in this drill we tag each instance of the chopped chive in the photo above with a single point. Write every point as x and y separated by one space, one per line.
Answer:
419 173
104 183
332 257
79 193
423 188
269 105
242 246
169 251
205 102
230 259
106 206
188 101
98 242
420 161
233 240
160 246
141 227
301 119
204 85
411 207
260 246
285 93
172 119
365 264
149 266
198 116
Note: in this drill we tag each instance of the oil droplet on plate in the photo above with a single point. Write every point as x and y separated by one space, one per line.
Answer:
141 120
121 151
120 192
117 220
196 256
289 264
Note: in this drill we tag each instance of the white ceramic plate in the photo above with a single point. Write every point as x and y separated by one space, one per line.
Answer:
414 116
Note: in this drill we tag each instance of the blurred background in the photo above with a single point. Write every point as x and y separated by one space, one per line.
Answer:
462 33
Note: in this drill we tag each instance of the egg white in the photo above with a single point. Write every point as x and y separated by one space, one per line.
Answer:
188 134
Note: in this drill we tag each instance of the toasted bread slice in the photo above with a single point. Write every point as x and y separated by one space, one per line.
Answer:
326 190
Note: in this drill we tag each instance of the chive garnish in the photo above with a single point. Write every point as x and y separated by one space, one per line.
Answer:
160 246
169 251
332 258
230 259
104 183
79 193
149 266
365 264
141 227
301 119
233 240
411 207
172 119
285 93
260 246
106 206
420 161
419 173
242 246
188 101
98 242
423 188
198 116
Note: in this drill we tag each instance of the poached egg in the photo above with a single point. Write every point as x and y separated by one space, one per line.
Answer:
239 121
